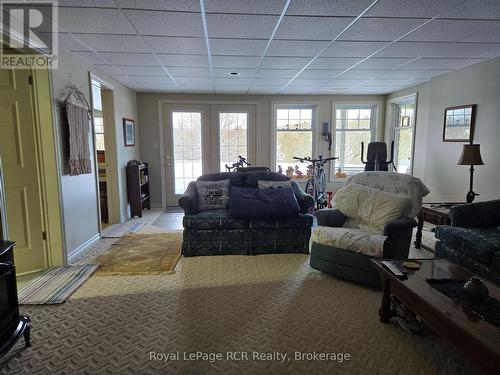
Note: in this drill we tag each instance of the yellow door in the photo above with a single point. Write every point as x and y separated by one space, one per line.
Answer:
18 153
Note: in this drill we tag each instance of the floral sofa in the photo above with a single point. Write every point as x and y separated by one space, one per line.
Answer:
473 238
215 232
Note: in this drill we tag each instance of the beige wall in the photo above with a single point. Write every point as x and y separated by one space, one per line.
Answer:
79 193
148 106
435 160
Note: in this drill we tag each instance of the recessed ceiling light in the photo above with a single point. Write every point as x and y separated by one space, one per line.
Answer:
234 73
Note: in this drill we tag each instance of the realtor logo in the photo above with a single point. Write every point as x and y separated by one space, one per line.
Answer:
29 34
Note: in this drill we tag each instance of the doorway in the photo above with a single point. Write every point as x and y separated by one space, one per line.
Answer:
204 138
105 150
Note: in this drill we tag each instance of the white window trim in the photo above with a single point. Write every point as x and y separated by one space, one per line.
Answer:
315 106
373 127
393 117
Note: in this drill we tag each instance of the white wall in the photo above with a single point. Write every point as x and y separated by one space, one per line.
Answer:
435 160
148 106
79 195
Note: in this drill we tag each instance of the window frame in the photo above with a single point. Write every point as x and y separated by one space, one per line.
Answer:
314 106
373 107
394 117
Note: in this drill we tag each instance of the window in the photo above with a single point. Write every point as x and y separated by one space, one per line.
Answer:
294 136
354 124
98 118
404 126
232 137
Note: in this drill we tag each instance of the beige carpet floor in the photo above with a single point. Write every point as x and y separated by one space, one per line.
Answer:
220 304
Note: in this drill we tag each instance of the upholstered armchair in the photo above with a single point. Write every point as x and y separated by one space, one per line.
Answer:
373 217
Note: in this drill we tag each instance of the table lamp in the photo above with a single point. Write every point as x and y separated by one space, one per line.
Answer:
471 155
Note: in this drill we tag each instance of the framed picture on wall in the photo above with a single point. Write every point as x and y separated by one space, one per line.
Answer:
129 132
459 123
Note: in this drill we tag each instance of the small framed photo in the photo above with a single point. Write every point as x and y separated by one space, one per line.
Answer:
129 132
459 123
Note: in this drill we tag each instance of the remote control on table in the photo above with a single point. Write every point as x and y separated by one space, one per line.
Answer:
391 267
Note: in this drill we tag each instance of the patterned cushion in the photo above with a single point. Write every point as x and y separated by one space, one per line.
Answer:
350 239
479 244
213 219
476 215
212 194
208 235
302 221
251 178
235 178
274 184
496 262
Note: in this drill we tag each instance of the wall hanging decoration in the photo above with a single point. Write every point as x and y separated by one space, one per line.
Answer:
128 132
459 123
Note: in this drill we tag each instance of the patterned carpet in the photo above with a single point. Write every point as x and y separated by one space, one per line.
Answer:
224 304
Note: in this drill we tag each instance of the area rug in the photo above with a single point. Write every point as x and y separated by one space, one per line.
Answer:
136 254
56 285
119 230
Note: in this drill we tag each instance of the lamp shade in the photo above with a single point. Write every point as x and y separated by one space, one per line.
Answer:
471 155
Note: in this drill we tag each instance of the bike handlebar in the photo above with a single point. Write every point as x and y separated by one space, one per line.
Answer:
319 160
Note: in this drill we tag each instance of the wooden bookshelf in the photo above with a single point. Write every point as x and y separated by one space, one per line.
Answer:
138 187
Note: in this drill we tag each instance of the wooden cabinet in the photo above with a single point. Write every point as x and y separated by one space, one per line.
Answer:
138 187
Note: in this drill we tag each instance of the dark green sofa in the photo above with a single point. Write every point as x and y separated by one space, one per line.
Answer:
473 238
214 232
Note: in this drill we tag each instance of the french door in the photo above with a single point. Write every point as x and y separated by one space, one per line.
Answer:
202 139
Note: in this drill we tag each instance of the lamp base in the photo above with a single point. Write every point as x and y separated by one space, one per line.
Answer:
470 196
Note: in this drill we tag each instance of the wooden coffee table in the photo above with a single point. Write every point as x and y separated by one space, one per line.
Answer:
475 337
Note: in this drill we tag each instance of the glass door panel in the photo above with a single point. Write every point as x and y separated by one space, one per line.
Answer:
233 137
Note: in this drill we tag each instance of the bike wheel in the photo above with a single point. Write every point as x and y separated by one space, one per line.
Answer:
322 193
309 189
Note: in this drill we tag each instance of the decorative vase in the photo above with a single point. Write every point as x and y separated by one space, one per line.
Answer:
475 290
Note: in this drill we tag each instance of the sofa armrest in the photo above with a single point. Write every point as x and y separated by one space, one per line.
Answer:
398 225
305 200
189 201
329 217
476 215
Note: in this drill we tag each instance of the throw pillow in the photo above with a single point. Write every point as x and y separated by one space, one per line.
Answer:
252 203
212 194
371 208
273 184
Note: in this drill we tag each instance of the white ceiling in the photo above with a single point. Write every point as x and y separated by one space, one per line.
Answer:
279 46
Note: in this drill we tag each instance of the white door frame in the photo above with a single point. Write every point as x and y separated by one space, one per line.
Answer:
161 103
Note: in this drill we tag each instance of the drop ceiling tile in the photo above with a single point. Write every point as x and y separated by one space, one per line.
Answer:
263 82
193 81
380 29
166 23
110 70
221 89
240 26
113 43
440 64
491 34
87 3
153 79
284 62
336 8
295 48
125 79
224 72
93 20
436 50
236 81
309 82
320 73
91 58
451 30
68 42
175 5
383 63
234 62
176 45
316 28
341 82
141 70
243 47
259 91
189 72
390 82
363 73
245 6
333 63
194 61
411 8
142 59
371 90
479 9
352 49
276 73
419 74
